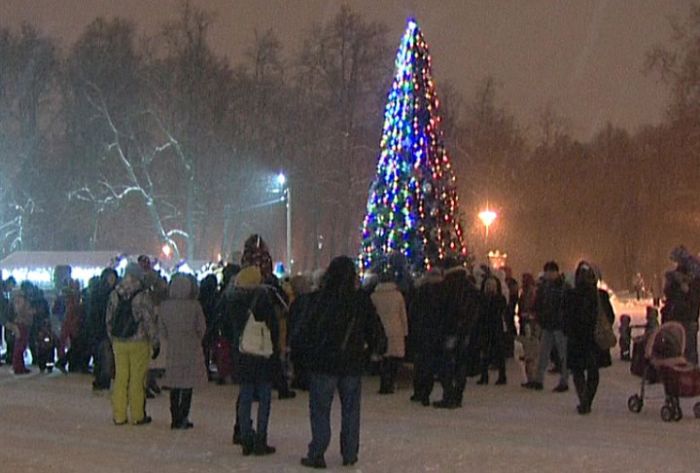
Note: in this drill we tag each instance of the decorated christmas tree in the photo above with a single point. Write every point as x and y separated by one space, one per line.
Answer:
413 206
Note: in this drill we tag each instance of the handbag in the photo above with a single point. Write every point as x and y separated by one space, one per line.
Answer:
256 339
604 335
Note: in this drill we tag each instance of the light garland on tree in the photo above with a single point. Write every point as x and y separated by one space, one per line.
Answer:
413 205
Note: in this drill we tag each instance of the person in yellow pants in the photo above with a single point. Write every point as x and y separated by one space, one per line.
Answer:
132 327
131 361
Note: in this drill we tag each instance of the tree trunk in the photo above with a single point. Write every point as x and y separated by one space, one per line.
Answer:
190 217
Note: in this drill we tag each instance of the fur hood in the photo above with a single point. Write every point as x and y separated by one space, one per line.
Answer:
431 277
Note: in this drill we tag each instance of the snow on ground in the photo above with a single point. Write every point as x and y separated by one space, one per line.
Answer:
54 423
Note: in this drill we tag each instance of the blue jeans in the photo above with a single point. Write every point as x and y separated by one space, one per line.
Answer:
321 391
249 391
548 340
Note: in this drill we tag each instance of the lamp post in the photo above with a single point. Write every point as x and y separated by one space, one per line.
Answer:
287 196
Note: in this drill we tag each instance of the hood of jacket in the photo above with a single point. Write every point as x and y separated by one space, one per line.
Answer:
181 287
128 286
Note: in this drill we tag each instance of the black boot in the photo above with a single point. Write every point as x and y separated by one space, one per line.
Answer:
582 393
175 408
261 447
236 435
247 444
185 403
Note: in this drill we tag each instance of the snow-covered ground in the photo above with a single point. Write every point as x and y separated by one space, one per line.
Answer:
53 423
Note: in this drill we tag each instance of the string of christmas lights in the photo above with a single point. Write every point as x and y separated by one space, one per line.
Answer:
412 209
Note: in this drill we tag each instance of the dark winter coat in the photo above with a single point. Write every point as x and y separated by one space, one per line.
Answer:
694 299
581 307
253 369
549 304
678 306
337 332
490 325
97 312
425 315
462 301
298 314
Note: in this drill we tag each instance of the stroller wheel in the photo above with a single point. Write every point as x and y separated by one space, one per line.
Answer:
696 410
667 414
635 403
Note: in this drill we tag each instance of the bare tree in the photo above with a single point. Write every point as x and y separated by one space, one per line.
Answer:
28 71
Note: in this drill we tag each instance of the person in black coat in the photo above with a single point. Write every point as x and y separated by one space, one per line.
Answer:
97 329
208 299
582 304
334 338
425 333
461 312
491 333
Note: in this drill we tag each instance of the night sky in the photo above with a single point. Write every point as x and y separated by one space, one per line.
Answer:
585 57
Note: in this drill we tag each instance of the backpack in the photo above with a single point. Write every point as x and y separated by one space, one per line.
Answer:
124 325
256 339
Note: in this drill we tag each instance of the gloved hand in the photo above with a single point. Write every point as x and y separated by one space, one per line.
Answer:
156 351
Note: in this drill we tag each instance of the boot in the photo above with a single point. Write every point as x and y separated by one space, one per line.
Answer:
261 447
175 408
185 403
237 436
247 444
484 379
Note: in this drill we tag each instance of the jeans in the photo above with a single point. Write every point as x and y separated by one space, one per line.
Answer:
548 340
321 392
249 392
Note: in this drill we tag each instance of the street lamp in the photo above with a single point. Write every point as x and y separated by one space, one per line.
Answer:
284 184
487 217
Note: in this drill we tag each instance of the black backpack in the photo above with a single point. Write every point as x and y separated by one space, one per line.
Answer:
124 325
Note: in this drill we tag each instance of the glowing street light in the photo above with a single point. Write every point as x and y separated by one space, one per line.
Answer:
167 251
487 217
284 185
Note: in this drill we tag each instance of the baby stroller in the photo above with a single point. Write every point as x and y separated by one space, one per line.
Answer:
658 357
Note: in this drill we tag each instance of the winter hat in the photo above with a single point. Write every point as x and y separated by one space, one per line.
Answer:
257 253
249 276
135 271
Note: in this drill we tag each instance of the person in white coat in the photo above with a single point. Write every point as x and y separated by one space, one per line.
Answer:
391 308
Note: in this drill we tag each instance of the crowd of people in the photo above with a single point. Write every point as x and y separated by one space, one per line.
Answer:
320 333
